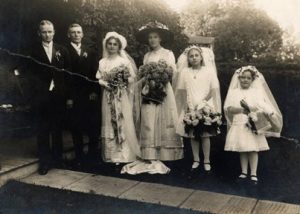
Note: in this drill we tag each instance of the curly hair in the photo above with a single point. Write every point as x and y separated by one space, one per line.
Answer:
117 40
253 73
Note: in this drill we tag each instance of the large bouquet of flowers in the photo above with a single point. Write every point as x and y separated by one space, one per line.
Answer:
155 77
117 80
202 120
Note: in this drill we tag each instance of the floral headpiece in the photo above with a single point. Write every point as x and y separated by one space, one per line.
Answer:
191 47
246 68
154 24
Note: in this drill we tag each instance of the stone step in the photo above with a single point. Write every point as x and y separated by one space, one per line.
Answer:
197 200
16 168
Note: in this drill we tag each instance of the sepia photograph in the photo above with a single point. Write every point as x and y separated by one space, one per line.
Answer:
149 106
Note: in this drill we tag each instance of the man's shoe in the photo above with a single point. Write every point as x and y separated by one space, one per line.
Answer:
43 170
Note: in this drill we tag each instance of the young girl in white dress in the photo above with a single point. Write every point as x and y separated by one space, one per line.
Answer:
248 86
122 147
197 85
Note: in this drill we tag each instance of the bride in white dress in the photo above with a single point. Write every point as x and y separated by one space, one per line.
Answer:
122 147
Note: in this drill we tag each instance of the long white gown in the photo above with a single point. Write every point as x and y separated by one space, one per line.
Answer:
158 137
113 151
157 127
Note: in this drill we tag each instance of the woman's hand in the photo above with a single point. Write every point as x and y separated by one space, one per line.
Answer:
253 116
253 108
104 84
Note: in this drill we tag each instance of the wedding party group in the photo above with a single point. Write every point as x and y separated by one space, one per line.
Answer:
141 115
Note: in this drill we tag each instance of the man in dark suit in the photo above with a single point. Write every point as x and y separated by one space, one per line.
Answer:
84 98
49 101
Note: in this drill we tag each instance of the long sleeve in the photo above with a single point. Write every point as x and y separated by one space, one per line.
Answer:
172 61
99 74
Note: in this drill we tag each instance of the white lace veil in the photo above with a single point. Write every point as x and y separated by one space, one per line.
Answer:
209 62
265 100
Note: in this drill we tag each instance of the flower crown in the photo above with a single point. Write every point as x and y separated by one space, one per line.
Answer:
154 24
246 68
192 47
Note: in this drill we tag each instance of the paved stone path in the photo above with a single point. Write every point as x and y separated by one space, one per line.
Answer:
158 194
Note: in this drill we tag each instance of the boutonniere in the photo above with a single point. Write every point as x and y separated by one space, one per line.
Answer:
85 54
57 55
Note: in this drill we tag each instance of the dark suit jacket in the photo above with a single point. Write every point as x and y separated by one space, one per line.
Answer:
86 64
42 75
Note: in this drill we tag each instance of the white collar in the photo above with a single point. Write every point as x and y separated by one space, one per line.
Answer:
75 45
47 45
159 50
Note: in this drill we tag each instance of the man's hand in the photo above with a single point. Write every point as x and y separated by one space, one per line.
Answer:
70 104
93 96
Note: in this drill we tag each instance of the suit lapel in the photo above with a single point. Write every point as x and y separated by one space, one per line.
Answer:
73 51
83 50
54 50
44 54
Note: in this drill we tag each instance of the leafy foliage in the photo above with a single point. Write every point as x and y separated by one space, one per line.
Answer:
242 32
20 18
126 17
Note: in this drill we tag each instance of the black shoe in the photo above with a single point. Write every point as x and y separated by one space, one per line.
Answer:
253 179
43 170
242 178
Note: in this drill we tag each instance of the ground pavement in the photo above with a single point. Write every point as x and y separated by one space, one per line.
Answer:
186 198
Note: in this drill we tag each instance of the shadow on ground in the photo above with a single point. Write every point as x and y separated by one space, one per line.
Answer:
16 197
278 173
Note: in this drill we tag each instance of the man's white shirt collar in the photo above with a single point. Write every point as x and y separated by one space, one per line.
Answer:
77 47
48 48
48 44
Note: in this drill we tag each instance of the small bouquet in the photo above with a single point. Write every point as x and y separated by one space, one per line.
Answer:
203 119
156 76
257 121
117 78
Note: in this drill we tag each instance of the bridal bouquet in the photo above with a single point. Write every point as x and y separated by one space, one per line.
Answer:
117 80
202 120
156 75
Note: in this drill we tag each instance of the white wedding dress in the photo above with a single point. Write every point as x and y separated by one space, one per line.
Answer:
156 127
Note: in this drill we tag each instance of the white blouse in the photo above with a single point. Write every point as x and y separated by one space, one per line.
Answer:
162 53
198 84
